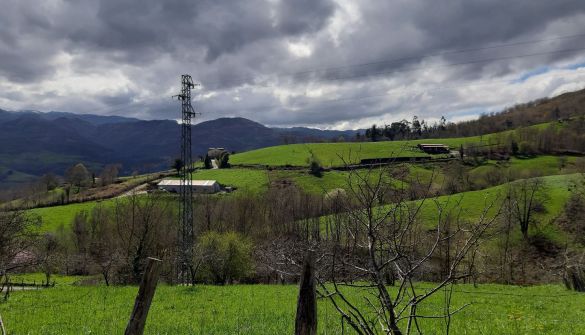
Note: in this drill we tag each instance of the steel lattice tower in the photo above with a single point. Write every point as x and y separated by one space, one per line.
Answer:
186 238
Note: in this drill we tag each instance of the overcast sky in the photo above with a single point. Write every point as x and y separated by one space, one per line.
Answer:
339 64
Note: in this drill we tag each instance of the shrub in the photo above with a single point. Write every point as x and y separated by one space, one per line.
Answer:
223 160
207 162
224 257
315 167
527 148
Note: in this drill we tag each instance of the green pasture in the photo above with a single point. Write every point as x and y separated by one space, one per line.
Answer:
471 206
270 309
245 180
337 154
55 216
257 181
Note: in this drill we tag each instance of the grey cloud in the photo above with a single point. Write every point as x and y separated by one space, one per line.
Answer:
228 45
299 16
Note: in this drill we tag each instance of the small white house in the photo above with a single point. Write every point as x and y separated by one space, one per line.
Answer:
198 186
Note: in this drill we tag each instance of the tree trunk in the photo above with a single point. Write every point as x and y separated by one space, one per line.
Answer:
2 326
306 320
575 278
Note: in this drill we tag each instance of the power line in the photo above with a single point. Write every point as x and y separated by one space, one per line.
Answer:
478 61
310 105
125 106
395 60
306 105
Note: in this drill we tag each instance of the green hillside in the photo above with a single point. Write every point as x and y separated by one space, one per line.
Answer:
55 216
471 205
336 154
557 190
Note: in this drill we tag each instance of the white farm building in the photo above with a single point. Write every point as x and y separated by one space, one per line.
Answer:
198 186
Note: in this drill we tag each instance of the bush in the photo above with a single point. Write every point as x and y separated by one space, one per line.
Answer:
315 167
527 148
224 257
223 160
207 162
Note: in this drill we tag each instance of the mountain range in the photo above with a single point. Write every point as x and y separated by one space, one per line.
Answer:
34 143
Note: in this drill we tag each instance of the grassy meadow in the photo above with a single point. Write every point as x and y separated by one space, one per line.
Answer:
55 216
245 180
337 154
270 309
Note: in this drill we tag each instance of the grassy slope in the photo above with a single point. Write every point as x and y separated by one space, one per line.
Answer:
247 180
334 154
270 309
528 166
53 217
257 181
472 204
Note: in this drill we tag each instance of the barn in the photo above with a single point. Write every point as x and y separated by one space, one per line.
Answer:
198 186
434 148
215 153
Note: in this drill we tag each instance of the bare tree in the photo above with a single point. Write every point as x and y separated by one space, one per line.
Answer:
143 226
527 197
49 181
395 244
47 254
16 238
78 175
109 174
104 247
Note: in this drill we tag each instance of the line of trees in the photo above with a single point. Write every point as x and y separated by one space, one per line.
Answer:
404 130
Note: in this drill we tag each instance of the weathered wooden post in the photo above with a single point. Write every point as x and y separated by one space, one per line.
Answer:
306 321
144 298
2 326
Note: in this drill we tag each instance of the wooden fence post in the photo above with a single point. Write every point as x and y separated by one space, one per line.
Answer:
2 326
144 298
306 320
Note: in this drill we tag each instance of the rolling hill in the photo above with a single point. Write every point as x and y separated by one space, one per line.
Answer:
35 143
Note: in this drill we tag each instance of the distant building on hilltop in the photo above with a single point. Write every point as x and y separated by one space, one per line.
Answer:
198 186
434 148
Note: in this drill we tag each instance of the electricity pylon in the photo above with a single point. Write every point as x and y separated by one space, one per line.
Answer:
185 253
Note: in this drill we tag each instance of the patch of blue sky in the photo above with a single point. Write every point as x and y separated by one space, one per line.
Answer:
468 113
575 66
545 69
532 73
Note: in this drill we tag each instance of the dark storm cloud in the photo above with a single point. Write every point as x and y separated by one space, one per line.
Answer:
228 45
300 16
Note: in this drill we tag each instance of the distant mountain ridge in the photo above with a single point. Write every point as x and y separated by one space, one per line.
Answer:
34 143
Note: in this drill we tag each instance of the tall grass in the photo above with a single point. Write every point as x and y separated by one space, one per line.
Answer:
270 309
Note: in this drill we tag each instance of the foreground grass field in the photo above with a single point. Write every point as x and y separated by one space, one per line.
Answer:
270 309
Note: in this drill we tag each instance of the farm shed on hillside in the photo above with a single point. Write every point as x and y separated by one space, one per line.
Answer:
215 153
198 186
434 148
